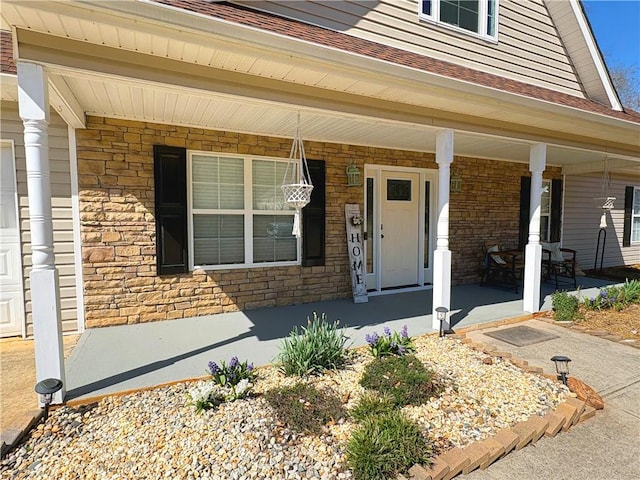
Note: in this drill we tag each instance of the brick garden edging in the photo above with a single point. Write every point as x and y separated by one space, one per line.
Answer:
483 453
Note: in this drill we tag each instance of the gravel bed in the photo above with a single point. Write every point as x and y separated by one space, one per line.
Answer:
155 434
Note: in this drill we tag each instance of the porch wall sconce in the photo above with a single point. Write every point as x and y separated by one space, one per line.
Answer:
455 183
441 313
47 388
562 367
353 175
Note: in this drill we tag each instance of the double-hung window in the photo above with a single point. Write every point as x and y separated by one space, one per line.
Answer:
478 17
237 213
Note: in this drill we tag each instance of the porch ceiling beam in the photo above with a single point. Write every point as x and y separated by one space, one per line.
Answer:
599 166
78 57
65 102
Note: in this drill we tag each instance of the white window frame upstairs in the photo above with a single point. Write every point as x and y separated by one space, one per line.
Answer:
247 212
434 17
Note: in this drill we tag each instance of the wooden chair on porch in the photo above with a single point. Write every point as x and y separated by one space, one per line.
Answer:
558 264
501 266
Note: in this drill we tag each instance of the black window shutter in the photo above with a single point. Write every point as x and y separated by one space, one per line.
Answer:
170 180
556 209
628 214
313 218
525 203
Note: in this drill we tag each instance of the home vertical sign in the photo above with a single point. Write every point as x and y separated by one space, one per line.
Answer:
356 255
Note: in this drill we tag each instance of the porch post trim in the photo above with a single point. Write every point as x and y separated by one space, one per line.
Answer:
442 254
533 250
33 105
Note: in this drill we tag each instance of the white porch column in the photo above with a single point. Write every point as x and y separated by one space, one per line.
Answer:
442 254
33 101
533 251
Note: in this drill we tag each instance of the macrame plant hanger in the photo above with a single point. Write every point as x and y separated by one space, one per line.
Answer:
605 202
296 184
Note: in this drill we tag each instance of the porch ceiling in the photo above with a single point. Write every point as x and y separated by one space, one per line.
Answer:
165 104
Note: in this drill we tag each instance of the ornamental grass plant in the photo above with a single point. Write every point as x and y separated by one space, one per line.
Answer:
317 347
385 445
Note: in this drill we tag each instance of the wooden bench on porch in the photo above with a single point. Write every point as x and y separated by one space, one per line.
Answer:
502 266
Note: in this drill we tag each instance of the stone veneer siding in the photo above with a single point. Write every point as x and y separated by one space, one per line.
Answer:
115 165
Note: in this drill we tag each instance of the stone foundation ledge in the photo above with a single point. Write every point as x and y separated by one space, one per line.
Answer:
481 454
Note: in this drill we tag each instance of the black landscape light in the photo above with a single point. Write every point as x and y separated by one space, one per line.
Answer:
562 367
442 317
47 388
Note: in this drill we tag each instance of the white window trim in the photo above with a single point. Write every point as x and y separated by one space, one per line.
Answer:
435 19
634 215
547 215
248 213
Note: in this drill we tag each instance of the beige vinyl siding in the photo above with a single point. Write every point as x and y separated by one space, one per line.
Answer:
12 128
529 47
581 220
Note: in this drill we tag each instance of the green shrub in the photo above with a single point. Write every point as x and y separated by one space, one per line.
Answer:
317 347
565 306
304 408
386 445
616 296
372 404
405 379
391 343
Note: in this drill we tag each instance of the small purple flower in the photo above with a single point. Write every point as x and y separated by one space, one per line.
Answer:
394 346
214 368
387 331
233 363
249 367
401 350
372 339
603 293
404 332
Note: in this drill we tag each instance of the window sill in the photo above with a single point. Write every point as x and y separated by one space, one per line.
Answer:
209 268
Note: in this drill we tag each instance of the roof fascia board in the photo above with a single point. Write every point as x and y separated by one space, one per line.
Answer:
598 61
255 38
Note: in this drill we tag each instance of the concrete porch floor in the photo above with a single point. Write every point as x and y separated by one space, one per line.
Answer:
116 359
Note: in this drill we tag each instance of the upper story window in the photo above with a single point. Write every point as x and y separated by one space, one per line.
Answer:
478 17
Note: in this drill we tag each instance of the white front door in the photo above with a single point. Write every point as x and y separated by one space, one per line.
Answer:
399 229
11 293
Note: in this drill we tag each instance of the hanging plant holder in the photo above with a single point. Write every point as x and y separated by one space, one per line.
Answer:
605 202
296 184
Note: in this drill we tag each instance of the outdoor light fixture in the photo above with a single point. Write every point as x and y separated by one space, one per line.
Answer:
455 182
442 317
353 175
562 367
47 388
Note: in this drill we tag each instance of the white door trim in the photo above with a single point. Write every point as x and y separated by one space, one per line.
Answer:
6 143
77 239
374 280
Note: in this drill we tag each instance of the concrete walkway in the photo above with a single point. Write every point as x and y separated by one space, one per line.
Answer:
606 447
115 359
